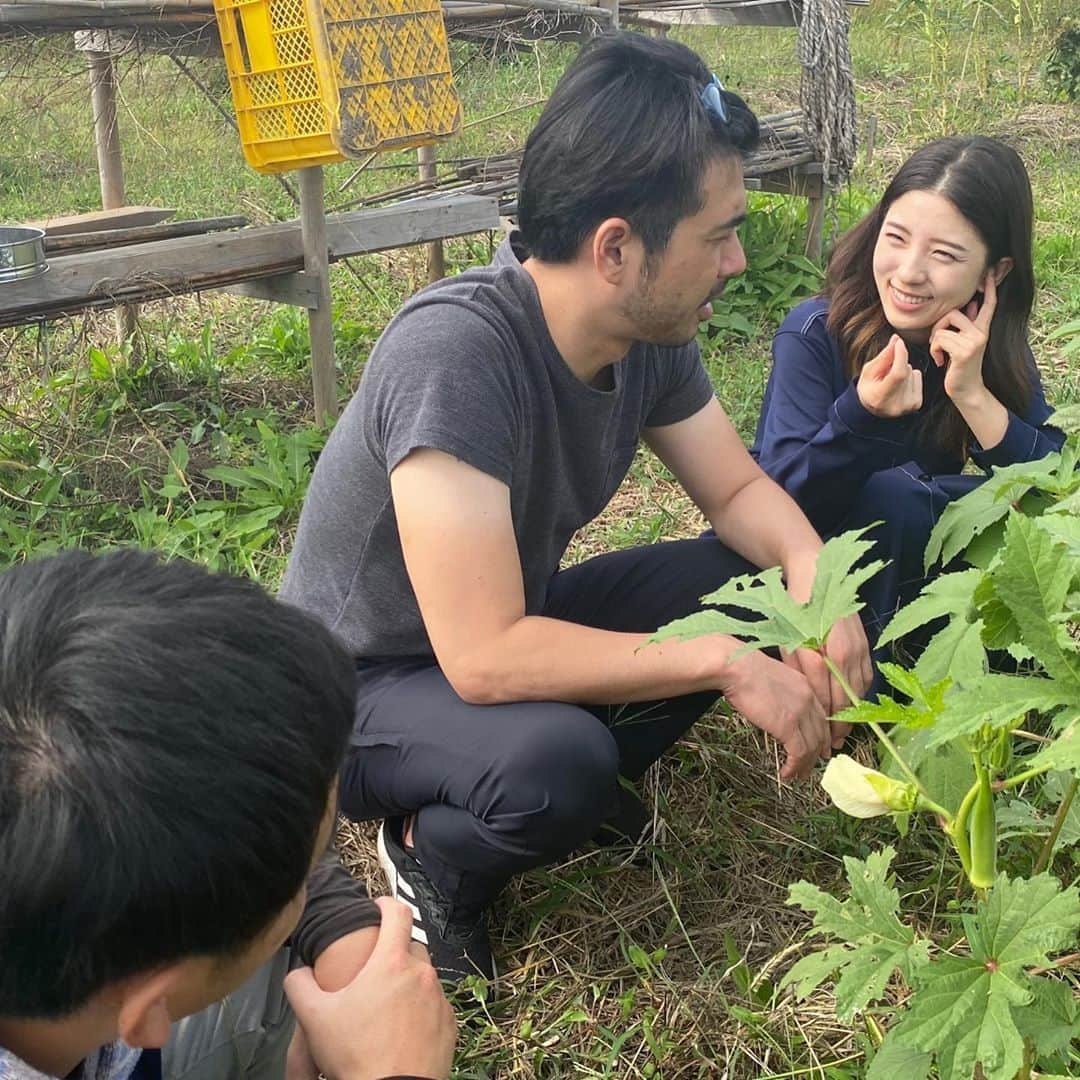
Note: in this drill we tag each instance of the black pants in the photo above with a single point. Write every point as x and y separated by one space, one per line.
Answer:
497 789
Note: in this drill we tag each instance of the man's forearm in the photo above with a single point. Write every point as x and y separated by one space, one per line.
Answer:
542 659
764 525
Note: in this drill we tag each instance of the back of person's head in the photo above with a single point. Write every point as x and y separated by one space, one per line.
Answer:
169 739
987 183
625 134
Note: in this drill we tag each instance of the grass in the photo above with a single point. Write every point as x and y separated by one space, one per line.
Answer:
203 449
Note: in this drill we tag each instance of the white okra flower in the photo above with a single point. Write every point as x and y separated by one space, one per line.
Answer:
863 792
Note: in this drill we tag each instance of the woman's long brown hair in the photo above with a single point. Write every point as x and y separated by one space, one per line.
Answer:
987 183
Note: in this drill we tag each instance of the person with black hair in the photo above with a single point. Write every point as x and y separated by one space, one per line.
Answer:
501 698
169 747
913 361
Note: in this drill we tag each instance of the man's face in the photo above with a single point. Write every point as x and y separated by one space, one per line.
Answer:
207 979
675 292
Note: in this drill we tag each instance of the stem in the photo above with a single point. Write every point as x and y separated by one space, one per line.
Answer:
889 745
1043 860
1020 778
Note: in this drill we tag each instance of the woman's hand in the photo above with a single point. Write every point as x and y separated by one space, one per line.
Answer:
888 385
958 342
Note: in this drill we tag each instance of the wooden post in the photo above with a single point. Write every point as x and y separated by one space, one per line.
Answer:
613 7
436 258
317 271
815 215
107 144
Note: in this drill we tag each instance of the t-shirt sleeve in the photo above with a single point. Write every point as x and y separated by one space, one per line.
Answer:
444 381
683 386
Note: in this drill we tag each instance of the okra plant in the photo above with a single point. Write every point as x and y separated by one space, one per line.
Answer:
980 741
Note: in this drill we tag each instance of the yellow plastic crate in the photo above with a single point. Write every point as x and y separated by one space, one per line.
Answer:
314 83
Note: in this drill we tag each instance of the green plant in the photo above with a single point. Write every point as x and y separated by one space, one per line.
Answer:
1062 67
983 1001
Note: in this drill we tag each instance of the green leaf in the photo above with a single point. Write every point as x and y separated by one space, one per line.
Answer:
950 595
997 700
926 702
1050 1021
1033 580
1067 417
1063 524
895 1060
784 623
1062 753
967 1007
956 651
965 518
875 942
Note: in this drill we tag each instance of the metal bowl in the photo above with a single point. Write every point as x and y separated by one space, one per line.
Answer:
22 253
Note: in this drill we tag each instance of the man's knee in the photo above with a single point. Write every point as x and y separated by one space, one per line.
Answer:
560 782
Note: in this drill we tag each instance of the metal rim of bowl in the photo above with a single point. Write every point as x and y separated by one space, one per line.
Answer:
22 237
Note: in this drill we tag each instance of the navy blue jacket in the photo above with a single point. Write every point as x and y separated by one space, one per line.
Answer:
818 442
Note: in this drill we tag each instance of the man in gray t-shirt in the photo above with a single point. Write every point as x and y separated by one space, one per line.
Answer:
501 698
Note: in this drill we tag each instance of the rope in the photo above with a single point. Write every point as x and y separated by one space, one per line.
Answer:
827 94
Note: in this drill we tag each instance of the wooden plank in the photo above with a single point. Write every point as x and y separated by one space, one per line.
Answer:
163 268
411 222
295 289
123 217
143 234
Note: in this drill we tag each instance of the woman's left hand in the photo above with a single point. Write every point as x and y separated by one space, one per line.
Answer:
959 339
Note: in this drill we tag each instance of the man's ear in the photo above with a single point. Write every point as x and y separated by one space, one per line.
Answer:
612 249
143 1019
1001 269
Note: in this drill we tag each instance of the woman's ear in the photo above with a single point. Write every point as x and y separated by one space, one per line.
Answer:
1001 269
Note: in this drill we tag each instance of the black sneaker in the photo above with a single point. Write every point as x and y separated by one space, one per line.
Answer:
630 830
458 948
630 826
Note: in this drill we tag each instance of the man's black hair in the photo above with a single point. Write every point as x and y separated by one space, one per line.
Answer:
624 134
168 742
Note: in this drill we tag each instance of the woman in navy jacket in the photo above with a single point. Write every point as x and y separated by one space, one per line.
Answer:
913 361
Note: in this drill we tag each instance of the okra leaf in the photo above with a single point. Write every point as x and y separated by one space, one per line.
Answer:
922 711
1066 418
950 595
955 651
782 622
894 1059
1033 579
874 943
1062 753
997 700
1051 1020
964 519
1063 524
975 1010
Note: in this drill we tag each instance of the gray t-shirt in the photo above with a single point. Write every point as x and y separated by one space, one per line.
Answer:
468 367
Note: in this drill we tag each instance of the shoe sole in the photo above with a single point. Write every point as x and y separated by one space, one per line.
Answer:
393 879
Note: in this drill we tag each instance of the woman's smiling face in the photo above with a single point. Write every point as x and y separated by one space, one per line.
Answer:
928 260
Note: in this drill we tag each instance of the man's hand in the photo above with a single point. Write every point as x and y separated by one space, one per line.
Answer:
848 649
888 385
391 1020
779 700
